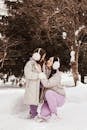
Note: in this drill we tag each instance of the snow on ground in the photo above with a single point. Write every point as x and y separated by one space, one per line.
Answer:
73 115
13 113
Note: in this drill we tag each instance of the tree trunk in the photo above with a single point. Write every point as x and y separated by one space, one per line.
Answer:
74 65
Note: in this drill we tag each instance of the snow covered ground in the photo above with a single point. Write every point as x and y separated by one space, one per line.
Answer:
73 115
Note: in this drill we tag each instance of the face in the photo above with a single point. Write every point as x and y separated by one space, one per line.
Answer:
50 62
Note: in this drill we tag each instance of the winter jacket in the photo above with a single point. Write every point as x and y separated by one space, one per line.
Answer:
31 96
54 83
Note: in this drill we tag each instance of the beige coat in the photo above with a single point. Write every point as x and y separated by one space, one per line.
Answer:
31 96
54 83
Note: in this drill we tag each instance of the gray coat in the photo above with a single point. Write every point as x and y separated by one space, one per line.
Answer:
31 96
54 83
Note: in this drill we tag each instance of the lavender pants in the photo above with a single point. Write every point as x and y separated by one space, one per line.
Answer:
53 100
33 110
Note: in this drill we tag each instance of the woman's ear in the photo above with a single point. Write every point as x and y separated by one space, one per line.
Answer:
36 56
56 65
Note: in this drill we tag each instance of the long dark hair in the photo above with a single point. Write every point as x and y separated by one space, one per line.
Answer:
52 70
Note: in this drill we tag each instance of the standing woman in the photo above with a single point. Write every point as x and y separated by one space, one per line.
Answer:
54 94
32 71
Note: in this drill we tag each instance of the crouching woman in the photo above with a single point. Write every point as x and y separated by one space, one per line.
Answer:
54 96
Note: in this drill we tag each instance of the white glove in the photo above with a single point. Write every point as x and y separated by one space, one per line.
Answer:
42 75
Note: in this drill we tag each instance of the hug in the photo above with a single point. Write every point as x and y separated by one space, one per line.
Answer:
43 85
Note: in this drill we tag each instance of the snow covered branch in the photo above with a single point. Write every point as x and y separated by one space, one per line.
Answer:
79 30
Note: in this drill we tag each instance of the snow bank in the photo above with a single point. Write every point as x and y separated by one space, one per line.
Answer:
67 80
11 100
73 114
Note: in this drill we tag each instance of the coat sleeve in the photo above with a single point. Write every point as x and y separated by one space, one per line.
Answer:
49 83
52 82
29 73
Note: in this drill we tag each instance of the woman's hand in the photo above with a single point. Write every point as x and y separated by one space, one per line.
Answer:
42 75
38 67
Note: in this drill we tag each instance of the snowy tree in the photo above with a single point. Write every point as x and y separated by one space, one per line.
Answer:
70 18
49 24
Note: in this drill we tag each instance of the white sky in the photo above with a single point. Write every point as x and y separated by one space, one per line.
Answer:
3 10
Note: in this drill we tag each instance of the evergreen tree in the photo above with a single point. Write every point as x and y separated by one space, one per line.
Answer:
54 25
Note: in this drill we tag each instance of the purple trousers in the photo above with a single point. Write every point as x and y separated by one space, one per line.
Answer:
33 110
53 100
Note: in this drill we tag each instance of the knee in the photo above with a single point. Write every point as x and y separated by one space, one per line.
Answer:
48 94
